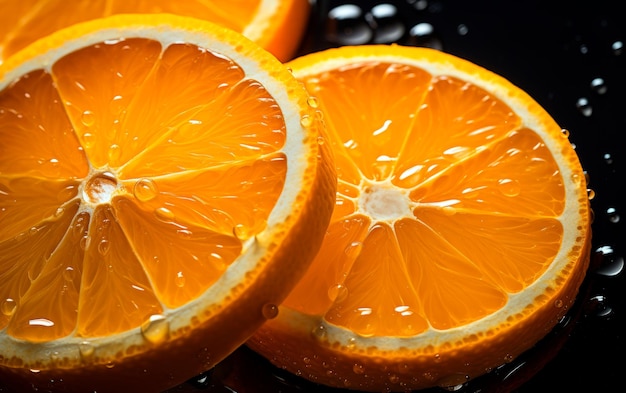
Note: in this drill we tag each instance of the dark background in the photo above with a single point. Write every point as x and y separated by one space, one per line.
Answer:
569 57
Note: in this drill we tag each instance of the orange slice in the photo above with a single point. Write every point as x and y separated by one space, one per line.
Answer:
276 25
162 188
461 230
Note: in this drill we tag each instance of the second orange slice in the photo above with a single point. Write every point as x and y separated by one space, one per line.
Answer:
461 229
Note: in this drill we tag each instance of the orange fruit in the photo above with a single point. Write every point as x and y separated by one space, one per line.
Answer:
162 188
461 229
276 25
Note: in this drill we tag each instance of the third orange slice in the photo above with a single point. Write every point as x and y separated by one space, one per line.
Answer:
461 228
276 25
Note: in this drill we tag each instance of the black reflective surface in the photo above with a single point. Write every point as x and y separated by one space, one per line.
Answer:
570 57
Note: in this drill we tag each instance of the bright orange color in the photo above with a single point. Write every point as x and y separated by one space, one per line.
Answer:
276 25
461 229
162 188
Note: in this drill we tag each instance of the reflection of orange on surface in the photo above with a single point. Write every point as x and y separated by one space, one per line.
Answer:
157 176
276 25
461 229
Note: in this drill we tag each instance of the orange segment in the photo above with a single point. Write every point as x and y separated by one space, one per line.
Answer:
461 229
158 175
276 25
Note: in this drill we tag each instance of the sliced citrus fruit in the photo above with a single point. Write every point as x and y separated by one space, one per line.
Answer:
162 187
461 230
276 25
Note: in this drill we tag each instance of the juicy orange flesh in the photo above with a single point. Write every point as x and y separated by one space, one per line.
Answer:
440 192
130 175
25 21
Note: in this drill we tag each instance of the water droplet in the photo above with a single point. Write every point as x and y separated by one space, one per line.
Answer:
598 307
85 242
320 140
104 247
419 5
608 158
598 85
184 234
591 193
565 132
109 364
86 349
59 212
423 34
509 187
145 190
69 274
386 22
117 105
462 29
453 383
114 154
156 328
617 47
8 306
269 311
180 280
242 232
337 293
353 250
35 371
584 106
164 214
313 102
88 140
88 118
358 368
100 188
346 25
576 179
610 265
558 303
306 121
613 215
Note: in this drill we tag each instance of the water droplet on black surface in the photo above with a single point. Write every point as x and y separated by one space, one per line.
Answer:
346 25
598 306
423 34
613 215
617 47
385 20
419 5
584 106
609 264
598 85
